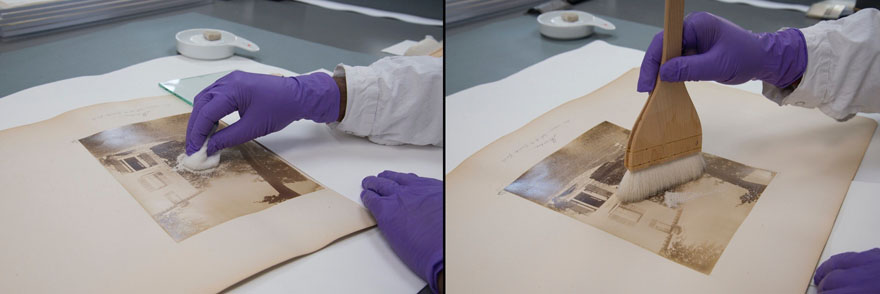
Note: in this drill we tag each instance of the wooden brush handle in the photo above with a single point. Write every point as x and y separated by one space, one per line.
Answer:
668 127
672 29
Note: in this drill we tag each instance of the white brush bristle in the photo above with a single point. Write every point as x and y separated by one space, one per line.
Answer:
642 184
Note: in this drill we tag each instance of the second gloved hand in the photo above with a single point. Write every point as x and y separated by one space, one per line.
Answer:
717 50
850 272
265 103
409 212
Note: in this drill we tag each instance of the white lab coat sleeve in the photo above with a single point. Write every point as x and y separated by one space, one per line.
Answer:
843 68
396 100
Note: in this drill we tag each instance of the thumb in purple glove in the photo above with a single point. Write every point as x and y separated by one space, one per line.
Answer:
714 49
409 212
850 272
265 103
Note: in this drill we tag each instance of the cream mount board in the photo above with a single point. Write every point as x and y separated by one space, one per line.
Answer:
74 225
500 242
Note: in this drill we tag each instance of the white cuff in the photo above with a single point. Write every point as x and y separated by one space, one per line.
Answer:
361 99
842 67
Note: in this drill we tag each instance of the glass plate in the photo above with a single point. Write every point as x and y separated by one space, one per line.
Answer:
187 88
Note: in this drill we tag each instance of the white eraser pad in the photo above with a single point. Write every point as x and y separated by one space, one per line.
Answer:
570 17
211 35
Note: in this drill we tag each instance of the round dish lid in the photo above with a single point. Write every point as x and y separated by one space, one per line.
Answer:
556 19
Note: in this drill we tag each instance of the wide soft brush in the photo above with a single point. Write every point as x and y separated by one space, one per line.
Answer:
664 147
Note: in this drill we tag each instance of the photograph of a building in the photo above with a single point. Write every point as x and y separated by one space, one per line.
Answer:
690 224
143 157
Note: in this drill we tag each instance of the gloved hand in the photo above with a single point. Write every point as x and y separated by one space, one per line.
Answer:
714 49
850 272
265 103
409 212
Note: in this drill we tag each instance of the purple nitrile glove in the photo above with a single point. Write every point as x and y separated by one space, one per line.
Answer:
409 212
715 49
265 103
850 272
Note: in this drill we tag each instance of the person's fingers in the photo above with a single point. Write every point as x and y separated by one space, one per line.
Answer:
235 134
375 203
702 30
691 29
838 261
846 260
383 186
409 178
701 60
434 182
400 178
651 64
697 38
849 290
840 279
198 102
832 280
218 106
828 266
700 67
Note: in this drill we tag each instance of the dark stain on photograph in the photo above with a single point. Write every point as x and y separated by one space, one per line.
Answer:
143 156
690 224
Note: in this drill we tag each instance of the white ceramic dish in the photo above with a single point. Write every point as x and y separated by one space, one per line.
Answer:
553 25
192 43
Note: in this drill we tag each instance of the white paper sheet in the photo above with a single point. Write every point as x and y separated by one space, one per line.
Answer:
869 171
400 48
297 144
18 3
770 4
856 225
374 12
527 94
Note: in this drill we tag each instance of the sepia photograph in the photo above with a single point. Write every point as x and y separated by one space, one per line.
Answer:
143 157
690 224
